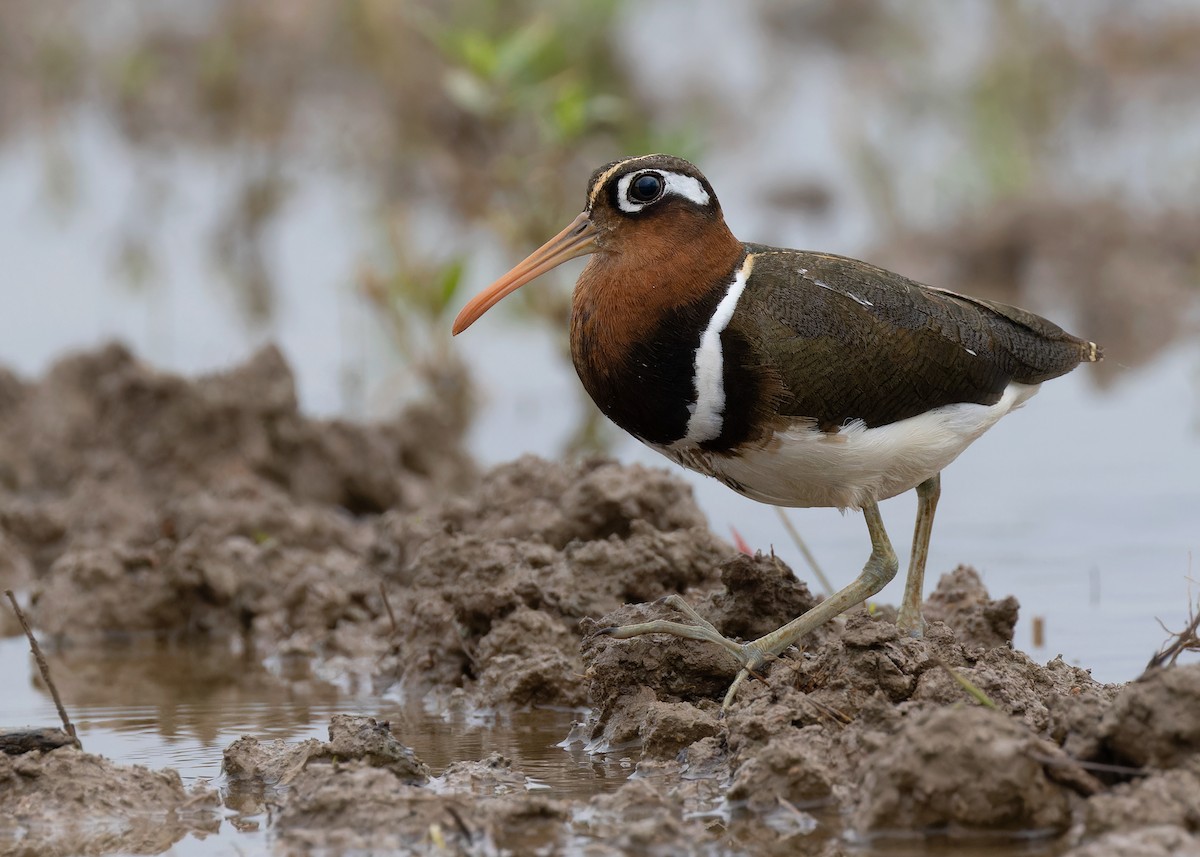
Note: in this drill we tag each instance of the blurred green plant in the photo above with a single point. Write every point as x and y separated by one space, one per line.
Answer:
547 95
1006 111
1017 101
491 112
414 296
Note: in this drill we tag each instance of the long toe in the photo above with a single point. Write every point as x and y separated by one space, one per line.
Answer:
705 632
751 657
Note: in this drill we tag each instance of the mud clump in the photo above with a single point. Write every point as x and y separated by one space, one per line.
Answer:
1164 798
355 808
640 818
961 601
70 802
1151 841
364 738
495 584
961 767
364 792
260 772
248 761
350 738
1153 721
201 506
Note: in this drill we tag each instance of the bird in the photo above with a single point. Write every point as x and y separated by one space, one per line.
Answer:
796 378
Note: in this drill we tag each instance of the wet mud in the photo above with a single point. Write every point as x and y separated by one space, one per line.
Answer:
69 802
134 504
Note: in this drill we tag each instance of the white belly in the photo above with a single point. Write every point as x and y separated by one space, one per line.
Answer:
802 466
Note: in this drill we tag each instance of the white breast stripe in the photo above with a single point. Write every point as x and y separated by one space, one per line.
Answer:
707 417
676 183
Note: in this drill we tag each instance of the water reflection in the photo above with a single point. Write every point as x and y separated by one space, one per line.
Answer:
161 705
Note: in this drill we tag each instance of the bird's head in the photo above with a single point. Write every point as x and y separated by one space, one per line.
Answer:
639 212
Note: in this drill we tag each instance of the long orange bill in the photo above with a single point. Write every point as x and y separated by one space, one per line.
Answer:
578 239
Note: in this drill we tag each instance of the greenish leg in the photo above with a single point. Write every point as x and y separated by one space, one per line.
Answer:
880 568
702 630
910 619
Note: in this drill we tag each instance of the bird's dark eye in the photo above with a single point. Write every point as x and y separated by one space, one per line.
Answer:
646 188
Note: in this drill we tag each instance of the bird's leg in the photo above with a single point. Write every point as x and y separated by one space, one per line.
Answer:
702 630
910 619
880 568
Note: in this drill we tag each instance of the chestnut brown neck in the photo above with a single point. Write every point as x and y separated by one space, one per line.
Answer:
638 312
626 290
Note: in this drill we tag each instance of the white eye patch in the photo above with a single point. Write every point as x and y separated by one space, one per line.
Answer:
675 183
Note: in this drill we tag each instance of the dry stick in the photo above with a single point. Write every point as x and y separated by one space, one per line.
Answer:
1187 640
1101 767
44 667
388 606
808 556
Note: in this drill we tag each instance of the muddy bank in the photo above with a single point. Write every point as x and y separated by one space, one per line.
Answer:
189 506
782 775
949 735
141 503
135 504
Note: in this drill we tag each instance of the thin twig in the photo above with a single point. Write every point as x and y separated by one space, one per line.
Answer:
463 830
805 552
1187 640
829 711
44 667
1100 767
387 605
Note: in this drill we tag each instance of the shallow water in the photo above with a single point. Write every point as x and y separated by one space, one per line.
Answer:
197 700
170 706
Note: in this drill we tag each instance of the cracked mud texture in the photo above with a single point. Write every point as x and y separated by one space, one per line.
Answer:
132 501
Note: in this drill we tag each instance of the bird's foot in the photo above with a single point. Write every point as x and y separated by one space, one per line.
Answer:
911 622
880 568
751 657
